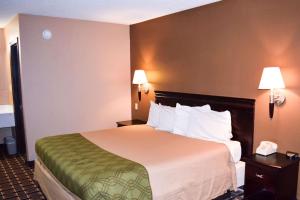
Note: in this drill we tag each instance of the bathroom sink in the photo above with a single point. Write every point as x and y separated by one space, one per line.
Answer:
7 116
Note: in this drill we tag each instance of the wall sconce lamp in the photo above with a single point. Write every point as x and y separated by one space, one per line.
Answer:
140 78
272 79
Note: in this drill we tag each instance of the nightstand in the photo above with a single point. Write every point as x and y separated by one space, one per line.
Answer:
130 122
274 176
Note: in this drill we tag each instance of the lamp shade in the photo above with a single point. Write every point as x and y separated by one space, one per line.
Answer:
139 77
271 78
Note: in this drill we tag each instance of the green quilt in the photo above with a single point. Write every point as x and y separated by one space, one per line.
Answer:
91 172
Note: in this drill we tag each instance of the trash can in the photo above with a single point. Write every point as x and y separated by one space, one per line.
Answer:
10 144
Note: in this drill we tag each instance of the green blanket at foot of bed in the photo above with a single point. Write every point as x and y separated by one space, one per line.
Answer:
91 172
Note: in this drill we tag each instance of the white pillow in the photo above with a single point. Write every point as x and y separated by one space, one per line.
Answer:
153 116
182 117
166 118
210 125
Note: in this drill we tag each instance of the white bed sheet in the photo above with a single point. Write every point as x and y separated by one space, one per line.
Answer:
233 146
240 173
235 150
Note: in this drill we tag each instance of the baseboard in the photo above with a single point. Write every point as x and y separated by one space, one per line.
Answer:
30 164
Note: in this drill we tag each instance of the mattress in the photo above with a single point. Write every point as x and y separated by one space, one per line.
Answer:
172 161
54 190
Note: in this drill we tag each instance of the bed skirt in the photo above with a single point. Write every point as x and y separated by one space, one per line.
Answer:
50 186
54 190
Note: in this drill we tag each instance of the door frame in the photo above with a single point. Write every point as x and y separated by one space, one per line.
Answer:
19 130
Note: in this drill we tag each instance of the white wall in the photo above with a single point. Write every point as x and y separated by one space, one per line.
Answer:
77 81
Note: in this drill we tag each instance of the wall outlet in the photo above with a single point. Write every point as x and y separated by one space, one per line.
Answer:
136 106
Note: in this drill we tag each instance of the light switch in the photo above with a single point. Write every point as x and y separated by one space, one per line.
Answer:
136 106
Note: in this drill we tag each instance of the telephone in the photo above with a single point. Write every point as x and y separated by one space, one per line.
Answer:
266 148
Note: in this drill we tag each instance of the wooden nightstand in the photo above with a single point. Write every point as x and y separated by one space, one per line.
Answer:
274 176
130 122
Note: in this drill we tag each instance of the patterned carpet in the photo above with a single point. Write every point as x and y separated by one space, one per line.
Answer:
16 179
237 195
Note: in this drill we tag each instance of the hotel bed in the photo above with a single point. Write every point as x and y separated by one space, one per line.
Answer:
139 162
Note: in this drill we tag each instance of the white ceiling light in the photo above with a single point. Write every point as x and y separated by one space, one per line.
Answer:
116 11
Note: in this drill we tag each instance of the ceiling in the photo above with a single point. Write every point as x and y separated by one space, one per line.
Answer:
116 11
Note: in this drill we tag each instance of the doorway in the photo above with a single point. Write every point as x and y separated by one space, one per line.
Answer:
19 132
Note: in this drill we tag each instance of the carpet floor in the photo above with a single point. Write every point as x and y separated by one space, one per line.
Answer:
16 179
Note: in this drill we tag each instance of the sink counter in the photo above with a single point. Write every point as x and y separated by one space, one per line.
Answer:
7 116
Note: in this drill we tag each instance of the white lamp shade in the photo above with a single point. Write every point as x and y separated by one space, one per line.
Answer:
271 78
139 77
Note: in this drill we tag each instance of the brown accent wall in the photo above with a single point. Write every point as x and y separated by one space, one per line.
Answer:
221 49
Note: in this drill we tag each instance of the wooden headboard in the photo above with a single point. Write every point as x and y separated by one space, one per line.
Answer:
242 112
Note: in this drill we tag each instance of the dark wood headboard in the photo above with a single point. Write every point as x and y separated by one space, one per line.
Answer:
242 112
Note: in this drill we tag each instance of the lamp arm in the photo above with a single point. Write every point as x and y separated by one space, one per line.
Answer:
271 103
139 92
275 97
146 88
279 97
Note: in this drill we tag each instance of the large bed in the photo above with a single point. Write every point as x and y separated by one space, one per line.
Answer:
140 162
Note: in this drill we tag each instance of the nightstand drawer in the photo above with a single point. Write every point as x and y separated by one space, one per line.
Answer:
259 175
258 179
